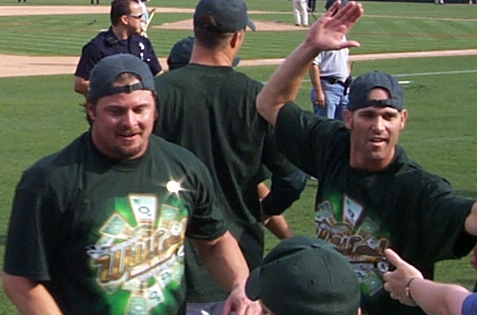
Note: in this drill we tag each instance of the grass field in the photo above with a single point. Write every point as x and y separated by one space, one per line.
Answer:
41 114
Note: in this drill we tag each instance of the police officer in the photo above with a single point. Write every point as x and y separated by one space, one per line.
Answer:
122 37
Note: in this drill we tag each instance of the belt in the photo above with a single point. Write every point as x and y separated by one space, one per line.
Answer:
333 80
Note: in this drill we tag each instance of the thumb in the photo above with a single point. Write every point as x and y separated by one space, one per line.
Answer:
393 257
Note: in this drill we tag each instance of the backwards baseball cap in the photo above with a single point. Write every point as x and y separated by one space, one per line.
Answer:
107 70
362 85
181 52
305 276
329 3
227 16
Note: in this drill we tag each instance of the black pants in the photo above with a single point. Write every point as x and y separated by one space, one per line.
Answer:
312 5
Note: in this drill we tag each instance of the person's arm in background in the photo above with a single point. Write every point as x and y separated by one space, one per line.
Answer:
325 34
471 221
227 266
276 224
319 96
407 285
30 297
81 85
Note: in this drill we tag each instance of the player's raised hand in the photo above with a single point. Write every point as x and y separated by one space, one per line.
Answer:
328 31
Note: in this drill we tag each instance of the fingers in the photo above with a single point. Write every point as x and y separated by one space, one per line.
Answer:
393 257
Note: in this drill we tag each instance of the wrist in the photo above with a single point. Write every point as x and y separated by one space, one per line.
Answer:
408 290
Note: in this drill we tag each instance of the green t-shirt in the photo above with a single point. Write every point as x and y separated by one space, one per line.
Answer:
402 206
107 237
210 110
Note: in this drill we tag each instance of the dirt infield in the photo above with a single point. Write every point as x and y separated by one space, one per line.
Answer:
11 66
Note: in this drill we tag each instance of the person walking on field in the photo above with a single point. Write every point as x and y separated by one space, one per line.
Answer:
300 12
209 108
371 195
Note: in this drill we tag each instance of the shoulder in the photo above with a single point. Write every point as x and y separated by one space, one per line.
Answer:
57 166
173 153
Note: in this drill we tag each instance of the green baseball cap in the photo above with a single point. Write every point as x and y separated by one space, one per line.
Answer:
181 52
107 70
362 85
225 16
305 276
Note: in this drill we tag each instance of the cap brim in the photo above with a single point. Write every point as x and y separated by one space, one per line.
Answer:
252 286
236 61
251 25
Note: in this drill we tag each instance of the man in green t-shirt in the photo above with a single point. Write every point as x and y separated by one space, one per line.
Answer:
98 228
371 196
208 107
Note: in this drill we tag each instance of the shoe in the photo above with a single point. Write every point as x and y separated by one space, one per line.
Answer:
305 25
297 24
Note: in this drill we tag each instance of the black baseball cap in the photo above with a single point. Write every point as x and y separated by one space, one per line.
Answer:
107 70
329 3
305 276
181 52
228 16
362 85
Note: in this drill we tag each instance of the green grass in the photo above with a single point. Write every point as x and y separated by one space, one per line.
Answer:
40 114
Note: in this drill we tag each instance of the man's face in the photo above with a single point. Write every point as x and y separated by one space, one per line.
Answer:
122 123
374 133
135 18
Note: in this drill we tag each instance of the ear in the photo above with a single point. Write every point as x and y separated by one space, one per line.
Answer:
348 118
403 118
90 111
236 39
124 19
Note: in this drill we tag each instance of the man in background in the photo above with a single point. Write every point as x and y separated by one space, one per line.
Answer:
122 37
330 79
209 108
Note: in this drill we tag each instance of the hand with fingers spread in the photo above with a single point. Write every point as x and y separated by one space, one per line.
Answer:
328 31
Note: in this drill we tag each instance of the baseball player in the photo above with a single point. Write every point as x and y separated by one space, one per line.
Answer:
371 195
122 37
209 108
98 228
330 77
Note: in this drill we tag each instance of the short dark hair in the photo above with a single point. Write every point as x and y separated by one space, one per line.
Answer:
118 9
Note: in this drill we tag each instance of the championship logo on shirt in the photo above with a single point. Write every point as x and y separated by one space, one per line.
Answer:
359 235
140 253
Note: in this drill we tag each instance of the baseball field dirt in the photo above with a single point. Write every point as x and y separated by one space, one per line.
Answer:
11 65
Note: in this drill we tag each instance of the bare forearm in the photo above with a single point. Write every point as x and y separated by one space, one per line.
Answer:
284 84
314 74
438 298
278 225
224 261
29 297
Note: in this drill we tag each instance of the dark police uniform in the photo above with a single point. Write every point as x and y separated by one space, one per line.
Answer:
107 44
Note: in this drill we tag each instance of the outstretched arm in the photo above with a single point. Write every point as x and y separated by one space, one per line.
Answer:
325 34
434 298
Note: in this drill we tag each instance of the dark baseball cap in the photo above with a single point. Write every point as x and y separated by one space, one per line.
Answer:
227 16
107 70
362 85
305 276
329 3
181 52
